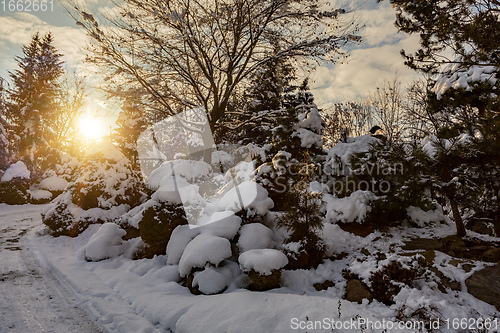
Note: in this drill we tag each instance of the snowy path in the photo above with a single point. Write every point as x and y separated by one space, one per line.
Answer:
31 299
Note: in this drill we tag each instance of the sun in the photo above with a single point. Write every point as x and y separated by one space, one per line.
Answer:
91 127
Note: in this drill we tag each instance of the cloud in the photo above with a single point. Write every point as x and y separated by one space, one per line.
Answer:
18 29
377 58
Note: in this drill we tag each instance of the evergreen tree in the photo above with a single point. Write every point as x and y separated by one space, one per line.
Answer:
464 102
261 106
33 98
131 123
5 149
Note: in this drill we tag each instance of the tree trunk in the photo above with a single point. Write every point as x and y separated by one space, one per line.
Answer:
458 219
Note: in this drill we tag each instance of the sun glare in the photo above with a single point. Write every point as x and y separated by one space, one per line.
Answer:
91 127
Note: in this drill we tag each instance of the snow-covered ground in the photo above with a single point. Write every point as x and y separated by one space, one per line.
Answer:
47 285
31 299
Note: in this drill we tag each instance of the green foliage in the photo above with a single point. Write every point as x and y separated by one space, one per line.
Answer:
468 28
157 224
395 176
303 220
61 222
262 282
131 123
15 191
262 105
386 282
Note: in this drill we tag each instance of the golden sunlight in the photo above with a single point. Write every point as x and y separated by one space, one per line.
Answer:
91 127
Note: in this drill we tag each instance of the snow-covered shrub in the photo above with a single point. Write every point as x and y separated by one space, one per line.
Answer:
106 187
202 250
263 266
373 183
106 243
14 184
157 224
60 172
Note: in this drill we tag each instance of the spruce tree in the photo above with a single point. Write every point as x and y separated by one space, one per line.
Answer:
253 121
5 149
131 123
33 99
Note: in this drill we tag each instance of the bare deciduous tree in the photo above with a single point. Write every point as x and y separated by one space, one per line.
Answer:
189 53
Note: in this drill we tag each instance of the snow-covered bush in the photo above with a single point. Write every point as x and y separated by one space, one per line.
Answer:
61 171
106 187
157 224
373 183
263 266
106 243
202 250
14 184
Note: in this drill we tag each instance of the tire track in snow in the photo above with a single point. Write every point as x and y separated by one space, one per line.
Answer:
31 299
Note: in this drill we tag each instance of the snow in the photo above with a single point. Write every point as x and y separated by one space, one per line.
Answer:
53 183
16 170
107 150
455 77
221 224
262 261
247 195
177 190
40 194
125 295
255 236
187 169
344 150
309 129
105 243
308 138
421 218
209 281
204 249
180 238
349 209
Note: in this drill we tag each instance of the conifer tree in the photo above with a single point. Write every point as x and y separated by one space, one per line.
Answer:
5 149
131 123
33 98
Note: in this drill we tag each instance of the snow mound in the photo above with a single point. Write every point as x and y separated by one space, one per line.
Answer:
40 195
222 224
210 281
177 190
53 183
349 209
262 261
247 195
187 169
180 238
255 236
204 249
105 243
16 170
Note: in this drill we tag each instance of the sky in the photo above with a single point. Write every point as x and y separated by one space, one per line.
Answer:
376 59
